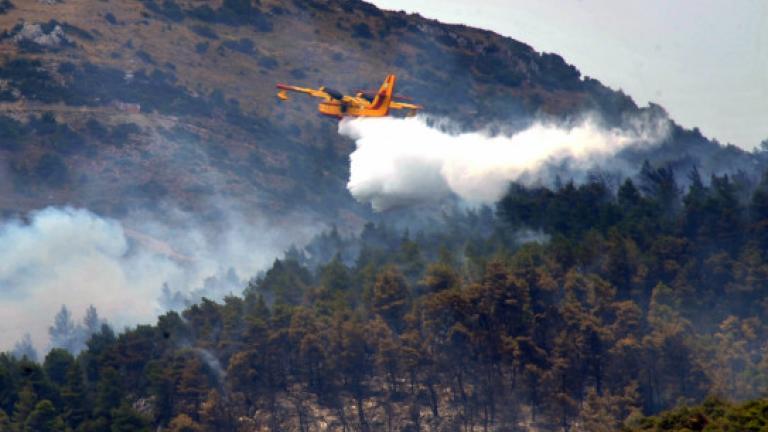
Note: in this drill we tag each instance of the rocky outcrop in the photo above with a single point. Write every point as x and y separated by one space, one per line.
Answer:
49 35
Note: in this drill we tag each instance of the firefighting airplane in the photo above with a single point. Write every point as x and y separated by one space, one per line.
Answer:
362 104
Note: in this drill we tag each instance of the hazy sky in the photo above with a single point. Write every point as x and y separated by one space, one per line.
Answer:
705 61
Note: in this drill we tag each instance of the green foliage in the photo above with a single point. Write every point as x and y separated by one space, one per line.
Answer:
126 419
201 47
644 298
5 421
285 282
57 364
110 18
11 134
44 419
714 415
32 80
108 392
242 45
122 132
5 6
362 31
168 9
52 170
184 423
390 296
25 405
204 31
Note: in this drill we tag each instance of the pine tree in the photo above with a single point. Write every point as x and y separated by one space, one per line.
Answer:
73 397
44 419
5 421
335 276
390 297
126 419
387 357
184 423
440 276
694 203
108 392
64 333
215 413
25 349
91 321
192 388
56 364
24 406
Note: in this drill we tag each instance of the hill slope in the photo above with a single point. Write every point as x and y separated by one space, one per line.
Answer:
116 106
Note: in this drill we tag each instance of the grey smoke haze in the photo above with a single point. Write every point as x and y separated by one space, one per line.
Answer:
73 257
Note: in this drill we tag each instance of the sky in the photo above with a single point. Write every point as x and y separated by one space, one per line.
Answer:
704 61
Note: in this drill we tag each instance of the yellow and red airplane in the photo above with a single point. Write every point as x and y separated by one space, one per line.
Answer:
362 104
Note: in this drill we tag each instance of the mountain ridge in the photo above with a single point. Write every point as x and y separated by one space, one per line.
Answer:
141 93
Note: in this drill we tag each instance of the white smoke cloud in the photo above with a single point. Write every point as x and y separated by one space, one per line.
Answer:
75 257
401 161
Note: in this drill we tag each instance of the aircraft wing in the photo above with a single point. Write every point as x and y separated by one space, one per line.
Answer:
284 88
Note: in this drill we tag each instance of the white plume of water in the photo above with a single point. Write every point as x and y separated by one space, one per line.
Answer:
399 161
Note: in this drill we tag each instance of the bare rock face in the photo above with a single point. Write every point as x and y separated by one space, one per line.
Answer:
36 33
145 406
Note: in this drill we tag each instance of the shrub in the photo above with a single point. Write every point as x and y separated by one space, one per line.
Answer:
201 47
268 62
243 45
96 129
11 133
151 190
362 31
46 124
5 6
169 9
241 12
52 170
77 31
369 9
298 74
203 13
311 4
172 11
110 18
397 21
204 31
32 80
66 68
122 132
145 57
556 73
447 40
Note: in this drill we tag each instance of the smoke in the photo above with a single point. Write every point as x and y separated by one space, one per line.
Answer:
73 257
404 161
213 364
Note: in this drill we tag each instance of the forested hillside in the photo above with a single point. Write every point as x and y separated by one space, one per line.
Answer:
627 302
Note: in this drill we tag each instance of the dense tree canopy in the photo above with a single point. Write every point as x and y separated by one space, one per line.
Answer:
634 300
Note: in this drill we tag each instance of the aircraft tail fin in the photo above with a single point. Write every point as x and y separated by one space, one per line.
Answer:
384 95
